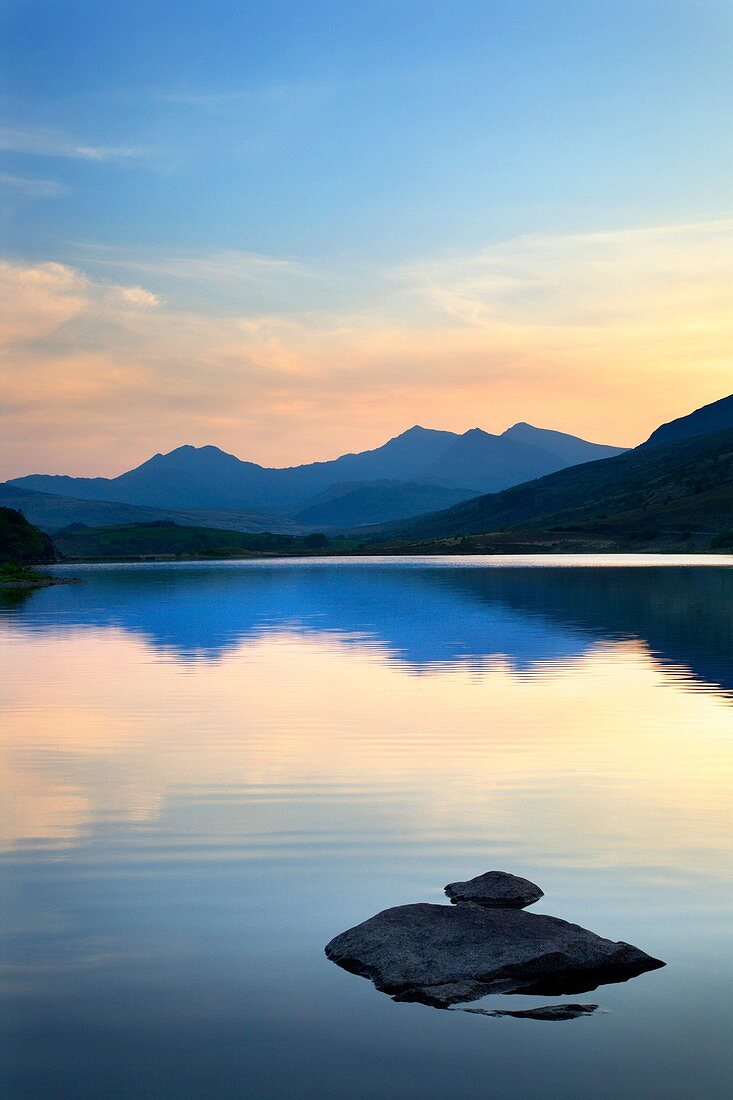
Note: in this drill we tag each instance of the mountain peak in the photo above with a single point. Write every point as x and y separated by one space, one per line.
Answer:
190 449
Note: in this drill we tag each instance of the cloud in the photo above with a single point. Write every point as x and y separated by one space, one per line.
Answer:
147 765
223 266
599 279
48 143
136 296
605 335
223 282
33 188
36 301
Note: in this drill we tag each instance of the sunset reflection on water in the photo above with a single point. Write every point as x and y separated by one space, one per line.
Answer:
191 743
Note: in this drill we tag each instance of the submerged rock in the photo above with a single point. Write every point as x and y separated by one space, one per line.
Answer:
441 955
546 1012
495 890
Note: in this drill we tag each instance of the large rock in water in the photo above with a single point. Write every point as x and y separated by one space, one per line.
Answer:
495 890
441 955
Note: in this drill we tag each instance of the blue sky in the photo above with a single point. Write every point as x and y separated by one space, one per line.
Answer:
295 160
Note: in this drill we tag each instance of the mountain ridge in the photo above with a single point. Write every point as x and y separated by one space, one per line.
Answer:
714 417
208 478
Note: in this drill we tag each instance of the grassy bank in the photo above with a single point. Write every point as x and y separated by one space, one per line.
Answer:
17 575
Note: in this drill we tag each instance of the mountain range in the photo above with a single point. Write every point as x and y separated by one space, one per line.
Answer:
419 471
547 490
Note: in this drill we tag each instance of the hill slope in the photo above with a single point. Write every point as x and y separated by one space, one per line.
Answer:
21 542
375 502
51 512
687 485
716 417
167 540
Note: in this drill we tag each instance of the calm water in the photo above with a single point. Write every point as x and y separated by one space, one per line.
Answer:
208 771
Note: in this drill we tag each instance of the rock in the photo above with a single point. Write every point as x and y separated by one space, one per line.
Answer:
495 890
546 1012
442 955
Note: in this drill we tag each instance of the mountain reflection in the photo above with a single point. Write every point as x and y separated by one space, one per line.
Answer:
419 616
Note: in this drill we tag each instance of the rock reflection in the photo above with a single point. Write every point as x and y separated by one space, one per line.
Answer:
551 1013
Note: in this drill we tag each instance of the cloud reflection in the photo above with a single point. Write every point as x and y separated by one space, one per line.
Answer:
225 710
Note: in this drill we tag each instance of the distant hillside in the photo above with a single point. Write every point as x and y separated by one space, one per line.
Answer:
165 539
375 502
683 489
206 478
21 542
51 512
716 417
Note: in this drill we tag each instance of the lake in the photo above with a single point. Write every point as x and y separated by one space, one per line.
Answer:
209 770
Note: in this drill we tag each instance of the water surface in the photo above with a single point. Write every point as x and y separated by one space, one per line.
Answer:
207 771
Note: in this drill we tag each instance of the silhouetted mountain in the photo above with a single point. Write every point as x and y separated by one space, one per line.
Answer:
717 417
189 477
567 448
493 462
404 456
684 487
208 478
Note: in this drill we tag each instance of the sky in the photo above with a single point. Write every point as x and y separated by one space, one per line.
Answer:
296 229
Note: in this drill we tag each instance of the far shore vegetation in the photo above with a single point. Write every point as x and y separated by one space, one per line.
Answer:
16 575
166 541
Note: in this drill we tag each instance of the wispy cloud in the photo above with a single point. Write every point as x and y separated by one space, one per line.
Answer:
604 334
221 282
658 273
48 143
33 188
136 296
223 266
38 300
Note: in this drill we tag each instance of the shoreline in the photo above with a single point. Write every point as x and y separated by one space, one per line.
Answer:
44 581
396 553
412 551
